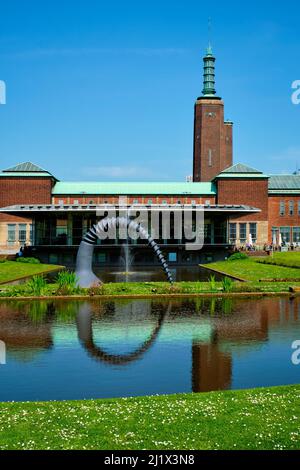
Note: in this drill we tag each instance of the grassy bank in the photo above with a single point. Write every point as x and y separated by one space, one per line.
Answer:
12 270
266 418
256 269
149 289
290 259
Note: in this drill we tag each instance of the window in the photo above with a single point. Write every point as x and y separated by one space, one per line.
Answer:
243 232
11 233
209 157
178 202
298 207
149 201
253 231
31 233
76 202
164 202
232 232
207 202
101 257
135 201
281 208
291 207
22 233
61 202
193 202
285 234
91 202
172 257
296 234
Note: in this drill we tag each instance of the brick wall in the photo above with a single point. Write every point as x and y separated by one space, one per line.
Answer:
286 220
25 191
20 190
251 192
212 140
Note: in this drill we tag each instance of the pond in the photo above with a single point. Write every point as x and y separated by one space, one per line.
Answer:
94 349
155 273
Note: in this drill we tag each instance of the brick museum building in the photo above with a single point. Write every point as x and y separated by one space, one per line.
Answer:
240 203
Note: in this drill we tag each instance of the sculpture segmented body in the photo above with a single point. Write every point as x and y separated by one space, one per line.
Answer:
84 260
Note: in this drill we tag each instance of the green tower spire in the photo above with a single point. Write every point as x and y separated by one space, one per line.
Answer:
209 73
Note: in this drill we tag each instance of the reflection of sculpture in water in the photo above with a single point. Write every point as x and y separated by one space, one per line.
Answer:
85 334
84 272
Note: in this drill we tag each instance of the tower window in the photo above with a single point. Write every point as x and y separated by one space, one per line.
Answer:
282 208
209 157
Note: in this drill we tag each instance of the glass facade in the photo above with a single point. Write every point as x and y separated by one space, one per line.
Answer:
296 234
253 231
22 233
285 234
11 234
243 233
232 233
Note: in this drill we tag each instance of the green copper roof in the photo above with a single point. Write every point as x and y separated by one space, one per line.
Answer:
147 188
27 167
209 74
241 168
284 184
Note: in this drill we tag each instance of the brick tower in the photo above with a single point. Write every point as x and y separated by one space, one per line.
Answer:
212 136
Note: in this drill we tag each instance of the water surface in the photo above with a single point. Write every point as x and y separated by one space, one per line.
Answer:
94 349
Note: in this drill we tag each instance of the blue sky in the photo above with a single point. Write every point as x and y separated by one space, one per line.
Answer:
105 90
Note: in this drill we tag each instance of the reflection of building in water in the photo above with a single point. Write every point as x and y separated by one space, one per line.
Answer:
250 323
23 338
211 368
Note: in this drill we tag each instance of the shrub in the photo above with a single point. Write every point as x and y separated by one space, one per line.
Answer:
36 285
227 284
212 282
238 256
67 283
96 289
28 260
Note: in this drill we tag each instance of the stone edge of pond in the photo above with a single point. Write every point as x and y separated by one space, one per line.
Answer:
217 271
155 296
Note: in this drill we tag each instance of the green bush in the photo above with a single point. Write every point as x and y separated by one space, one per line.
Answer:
212 282
67 283
36 285
238 256
28 260
227 284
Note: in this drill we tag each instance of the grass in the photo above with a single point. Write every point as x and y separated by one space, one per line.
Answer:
11 270
290 259
253 270
266 418
148 289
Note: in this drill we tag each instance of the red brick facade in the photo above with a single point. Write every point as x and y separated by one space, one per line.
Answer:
26 190
22 190
212 140
251 192
288 218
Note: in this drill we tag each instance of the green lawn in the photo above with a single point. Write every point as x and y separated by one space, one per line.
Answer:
290 259
249 419
251 270
12 270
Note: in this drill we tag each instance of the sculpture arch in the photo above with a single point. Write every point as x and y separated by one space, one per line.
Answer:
84 260
84 322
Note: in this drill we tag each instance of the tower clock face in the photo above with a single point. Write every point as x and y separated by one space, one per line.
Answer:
211 115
